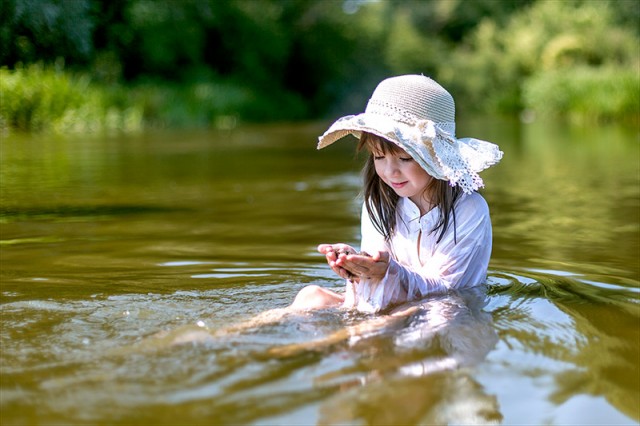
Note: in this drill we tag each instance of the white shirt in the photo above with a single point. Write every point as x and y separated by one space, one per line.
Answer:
432 268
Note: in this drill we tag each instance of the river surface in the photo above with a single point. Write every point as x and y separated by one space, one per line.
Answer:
141 277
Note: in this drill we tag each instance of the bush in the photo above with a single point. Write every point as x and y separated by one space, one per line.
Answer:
210 104
546 40
585 93
38 98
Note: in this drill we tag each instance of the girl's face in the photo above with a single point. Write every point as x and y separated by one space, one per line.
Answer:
401 172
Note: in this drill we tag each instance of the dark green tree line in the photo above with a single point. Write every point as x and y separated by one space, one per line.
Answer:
279 59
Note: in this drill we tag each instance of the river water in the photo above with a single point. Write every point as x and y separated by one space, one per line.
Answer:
136 272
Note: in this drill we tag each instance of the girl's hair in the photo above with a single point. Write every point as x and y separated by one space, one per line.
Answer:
381 200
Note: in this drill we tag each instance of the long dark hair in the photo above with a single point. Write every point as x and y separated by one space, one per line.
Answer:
381 200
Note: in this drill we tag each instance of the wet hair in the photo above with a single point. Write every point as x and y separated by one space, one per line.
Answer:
381 200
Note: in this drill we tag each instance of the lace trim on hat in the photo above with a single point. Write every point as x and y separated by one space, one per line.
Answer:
445 157
430 144
454 165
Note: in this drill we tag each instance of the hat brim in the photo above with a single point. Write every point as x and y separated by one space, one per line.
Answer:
438 152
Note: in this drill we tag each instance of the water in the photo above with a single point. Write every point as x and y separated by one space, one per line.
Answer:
115 251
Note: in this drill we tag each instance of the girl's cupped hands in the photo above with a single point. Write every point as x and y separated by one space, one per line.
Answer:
345 261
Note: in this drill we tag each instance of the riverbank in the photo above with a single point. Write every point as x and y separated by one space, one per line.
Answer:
39 98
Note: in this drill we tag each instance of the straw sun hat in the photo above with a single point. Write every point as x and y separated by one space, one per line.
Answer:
418 115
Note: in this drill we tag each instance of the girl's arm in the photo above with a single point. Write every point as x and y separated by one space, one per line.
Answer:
458 260
451 266
453 263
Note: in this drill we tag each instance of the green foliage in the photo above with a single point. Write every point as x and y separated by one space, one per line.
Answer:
206 104
37 30
406 50
549 39
585 94
195 62
36 98
48 98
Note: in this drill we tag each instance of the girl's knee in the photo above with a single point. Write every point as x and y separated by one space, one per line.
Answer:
306 295
316 297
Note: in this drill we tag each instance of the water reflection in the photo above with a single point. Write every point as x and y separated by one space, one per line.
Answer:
408 350
568 198
581 325
108 243
405 381
454 323
434 399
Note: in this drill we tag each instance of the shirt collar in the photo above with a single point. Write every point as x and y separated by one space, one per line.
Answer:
410 215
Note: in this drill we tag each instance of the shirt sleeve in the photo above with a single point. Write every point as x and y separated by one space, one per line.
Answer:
459 260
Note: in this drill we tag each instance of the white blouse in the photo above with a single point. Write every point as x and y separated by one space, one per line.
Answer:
418 265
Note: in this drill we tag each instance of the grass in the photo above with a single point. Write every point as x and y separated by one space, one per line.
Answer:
586 94
38 98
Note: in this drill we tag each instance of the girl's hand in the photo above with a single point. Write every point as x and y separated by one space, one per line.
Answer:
333 253
345 261
365 266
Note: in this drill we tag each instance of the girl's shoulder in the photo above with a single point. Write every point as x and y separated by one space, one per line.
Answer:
471 206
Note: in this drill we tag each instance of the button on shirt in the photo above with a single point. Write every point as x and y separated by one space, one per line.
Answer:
459 260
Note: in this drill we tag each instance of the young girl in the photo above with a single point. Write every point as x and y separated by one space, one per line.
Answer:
424 228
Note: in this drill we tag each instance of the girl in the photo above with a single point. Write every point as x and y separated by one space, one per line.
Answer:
424 228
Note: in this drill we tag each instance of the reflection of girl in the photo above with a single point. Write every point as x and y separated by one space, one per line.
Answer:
450 332
424 228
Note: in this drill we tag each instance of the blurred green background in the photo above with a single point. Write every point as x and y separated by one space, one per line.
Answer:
129 65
